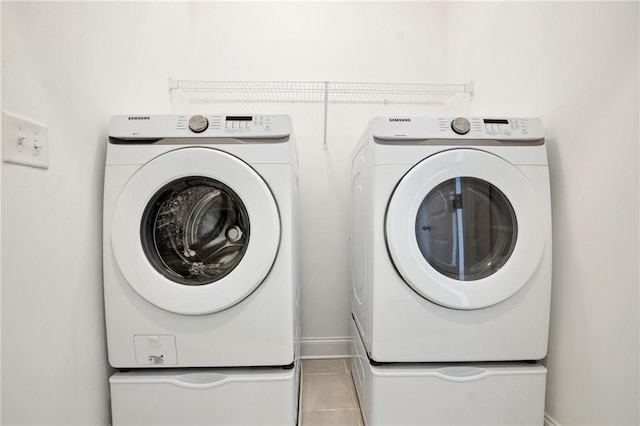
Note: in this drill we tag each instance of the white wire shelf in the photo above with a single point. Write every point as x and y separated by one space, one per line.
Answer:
324 92
316 92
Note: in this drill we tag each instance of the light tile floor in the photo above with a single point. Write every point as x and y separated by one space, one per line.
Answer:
328 395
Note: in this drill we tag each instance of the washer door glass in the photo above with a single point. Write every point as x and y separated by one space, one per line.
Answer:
466 228
195 230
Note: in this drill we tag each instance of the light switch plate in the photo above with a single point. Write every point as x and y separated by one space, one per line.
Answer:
25 141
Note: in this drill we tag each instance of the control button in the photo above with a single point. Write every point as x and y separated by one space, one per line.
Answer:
198 123
461 126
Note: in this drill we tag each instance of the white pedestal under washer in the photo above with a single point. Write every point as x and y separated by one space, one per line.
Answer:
200 264
451 239
206 396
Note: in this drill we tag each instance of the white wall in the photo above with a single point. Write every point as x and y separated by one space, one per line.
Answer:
1 138
576 65
70 65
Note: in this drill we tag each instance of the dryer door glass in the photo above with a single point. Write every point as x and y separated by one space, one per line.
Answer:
195 230
466 228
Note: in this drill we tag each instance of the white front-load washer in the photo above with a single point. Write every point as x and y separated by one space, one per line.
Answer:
199 247
451 239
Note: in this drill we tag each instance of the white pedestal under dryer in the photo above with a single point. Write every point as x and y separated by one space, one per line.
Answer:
451 239
439 394
200 217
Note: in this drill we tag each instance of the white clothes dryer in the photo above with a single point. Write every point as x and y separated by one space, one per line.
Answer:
451 239
200 267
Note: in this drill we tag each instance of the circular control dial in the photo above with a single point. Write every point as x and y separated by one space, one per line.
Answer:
461 126
198 123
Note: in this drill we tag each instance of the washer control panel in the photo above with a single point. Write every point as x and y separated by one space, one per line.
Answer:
482 128
244 126
150 127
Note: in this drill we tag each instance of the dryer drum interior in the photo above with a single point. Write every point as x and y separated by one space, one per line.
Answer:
195 230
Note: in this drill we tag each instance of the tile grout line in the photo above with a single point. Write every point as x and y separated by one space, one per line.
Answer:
323 374
352 388
330 409
354 396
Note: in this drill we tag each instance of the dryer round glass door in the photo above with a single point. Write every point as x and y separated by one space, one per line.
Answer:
463 229
466 228
195 231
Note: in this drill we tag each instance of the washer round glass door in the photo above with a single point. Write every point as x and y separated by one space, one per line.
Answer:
195 231
461 229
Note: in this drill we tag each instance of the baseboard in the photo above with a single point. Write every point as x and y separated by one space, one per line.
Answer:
550 421
326 347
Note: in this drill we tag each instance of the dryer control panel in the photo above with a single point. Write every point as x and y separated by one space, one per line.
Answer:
482 128
147 127
500 127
